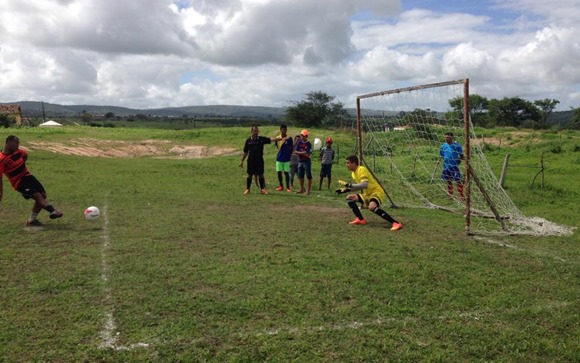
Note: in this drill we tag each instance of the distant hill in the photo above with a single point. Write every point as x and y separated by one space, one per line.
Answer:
561 118
34 109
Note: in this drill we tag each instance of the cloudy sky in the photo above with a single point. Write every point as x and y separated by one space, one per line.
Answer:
158 53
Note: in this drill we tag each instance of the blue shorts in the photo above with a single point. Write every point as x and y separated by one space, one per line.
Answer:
305 168
451 174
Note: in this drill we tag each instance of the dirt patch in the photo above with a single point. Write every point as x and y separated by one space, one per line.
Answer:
127 149
508 139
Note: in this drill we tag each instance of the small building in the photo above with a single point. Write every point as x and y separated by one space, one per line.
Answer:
12 110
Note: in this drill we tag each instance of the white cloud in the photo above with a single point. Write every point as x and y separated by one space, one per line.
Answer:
156 53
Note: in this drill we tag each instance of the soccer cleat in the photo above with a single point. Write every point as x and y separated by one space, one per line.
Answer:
263 191
289 190
34 223
279 188
56 214
396 226
247 191
359 222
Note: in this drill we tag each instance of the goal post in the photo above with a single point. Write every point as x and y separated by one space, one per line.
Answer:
399 133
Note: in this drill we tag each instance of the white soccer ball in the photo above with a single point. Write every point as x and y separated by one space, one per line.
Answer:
92 213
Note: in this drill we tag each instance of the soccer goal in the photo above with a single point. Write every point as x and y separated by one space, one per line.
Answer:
399 133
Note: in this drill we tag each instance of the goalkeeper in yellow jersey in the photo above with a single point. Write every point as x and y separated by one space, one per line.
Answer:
370 193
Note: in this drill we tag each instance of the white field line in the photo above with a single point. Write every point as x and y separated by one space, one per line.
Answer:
474 315
109 335
537 253
493 242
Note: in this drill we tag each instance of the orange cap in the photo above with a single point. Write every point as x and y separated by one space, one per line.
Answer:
329 139
304 133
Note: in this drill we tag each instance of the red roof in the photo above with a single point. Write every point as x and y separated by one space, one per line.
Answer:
10 109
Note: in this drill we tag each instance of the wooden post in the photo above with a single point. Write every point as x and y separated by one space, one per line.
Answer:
503 170
467 154
542 169
540 172
359 131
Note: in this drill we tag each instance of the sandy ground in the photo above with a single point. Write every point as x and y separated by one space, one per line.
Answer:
126 149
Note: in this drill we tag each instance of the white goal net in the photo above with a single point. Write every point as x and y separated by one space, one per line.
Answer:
399 135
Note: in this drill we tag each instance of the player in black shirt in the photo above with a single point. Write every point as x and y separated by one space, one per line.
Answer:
254 151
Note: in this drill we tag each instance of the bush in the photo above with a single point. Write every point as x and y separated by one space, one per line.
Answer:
487 147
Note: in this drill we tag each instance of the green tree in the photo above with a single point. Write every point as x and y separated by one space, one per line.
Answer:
4 121
546 106
575 119
478 108
317 109
86 117
513 111
338 117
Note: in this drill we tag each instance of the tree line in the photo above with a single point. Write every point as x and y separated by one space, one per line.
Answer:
512 111
319 110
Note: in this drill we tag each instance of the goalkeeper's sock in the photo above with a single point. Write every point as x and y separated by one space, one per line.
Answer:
384 215
248 182
355 209
460 190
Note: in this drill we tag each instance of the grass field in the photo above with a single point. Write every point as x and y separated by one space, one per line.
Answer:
181 267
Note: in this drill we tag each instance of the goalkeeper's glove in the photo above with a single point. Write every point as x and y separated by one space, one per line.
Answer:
344 184
342 190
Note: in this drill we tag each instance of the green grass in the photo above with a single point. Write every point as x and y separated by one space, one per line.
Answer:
191 270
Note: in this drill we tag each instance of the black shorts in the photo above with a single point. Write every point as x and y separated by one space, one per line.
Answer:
325 170
29 185
255 166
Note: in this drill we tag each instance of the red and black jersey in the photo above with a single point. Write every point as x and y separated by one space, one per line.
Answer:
14 166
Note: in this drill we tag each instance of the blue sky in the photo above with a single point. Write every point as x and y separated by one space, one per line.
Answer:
271 52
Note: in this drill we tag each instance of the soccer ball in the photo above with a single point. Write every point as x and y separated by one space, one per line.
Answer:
92 213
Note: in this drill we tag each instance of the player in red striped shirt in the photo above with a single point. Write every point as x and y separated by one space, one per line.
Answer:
13 165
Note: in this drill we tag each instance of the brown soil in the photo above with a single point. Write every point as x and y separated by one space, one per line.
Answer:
127 149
